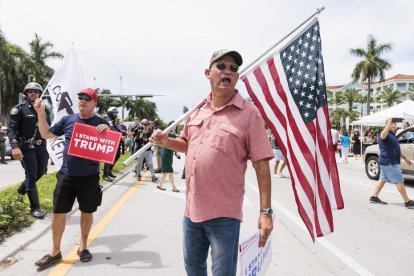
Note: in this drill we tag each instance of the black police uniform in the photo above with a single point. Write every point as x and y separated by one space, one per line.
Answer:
23 133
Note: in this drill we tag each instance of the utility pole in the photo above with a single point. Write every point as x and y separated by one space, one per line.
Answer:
120 84
30 77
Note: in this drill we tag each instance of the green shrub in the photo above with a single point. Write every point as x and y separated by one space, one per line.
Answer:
15 210
13 213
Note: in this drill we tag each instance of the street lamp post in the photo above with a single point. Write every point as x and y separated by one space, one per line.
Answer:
31 76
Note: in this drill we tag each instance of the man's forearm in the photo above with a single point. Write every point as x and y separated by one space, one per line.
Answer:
264 182
177 144
384 133
44 127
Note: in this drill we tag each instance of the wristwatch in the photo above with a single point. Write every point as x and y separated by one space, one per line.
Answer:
267 211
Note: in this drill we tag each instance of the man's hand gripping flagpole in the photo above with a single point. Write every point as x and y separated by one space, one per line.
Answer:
167 130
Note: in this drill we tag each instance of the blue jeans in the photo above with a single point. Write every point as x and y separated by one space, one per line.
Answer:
132 146
222 234
148 157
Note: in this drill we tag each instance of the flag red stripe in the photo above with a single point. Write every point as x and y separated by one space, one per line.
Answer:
323 198
299 139
287 91
301 209
324 154
312 130
333 169
306 186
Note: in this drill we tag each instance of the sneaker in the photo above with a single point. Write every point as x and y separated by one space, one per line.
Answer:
48 260
139 177
84 255
409 204
154 178
279 175
375 199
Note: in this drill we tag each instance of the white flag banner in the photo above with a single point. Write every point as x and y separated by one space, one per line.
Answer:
63 88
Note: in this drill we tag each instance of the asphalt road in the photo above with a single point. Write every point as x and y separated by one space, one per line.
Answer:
137 231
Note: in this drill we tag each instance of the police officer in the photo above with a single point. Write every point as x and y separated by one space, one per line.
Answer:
112 115
28 146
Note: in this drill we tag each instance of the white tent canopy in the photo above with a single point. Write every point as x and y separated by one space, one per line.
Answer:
402 110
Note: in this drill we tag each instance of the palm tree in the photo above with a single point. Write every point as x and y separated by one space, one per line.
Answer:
40 52
334 116
390 96
337 99
372 65
104 102
410 92
351 96
377 99
12 74
125 102
143 109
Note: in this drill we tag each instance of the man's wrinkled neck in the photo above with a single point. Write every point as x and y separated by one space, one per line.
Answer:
218 100
86 115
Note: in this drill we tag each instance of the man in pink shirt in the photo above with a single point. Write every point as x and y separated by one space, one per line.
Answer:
219 138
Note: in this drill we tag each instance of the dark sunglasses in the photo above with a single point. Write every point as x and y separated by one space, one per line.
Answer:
34 91
222 66
84 98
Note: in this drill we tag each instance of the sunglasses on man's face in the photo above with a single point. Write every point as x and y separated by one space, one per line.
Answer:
84 98
33 92
222 66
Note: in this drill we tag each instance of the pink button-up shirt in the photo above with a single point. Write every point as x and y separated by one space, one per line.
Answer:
220 142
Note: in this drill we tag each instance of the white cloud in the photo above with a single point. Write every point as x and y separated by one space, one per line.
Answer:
163 47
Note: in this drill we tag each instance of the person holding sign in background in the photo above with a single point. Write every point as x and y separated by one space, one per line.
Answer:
78 178
219 139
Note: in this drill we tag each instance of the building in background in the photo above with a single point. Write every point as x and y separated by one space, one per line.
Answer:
400 82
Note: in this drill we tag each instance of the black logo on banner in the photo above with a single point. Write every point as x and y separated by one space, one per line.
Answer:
63 99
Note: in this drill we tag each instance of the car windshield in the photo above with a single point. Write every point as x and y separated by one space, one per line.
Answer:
407 137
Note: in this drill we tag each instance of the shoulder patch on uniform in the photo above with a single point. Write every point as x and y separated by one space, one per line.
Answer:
14 111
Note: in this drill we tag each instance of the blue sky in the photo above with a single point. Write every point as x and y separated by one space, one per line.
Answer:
163 47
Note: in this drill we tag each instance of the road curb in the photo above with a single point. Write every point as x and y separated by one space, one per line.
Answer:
21 240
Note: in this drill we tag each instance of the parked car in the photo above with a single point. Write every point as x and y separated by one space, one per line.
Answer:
8 148
371 155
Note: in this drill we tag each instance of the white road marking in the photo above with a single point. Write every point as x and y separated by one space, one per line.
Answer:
247 201
372 186
345 258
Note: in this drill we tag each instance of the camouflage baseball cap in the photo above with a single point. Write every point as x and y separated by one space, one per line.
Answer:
224 52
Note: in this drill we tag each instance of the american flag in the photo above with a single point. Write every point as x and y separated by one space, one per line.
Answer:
289 90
